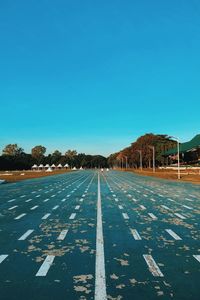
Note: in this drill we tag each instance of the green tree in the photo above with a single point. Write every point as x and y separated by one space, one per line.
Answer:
12 150
38 153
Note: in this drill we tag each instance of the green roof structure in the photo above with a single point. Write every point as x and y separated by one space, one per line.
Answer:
185 147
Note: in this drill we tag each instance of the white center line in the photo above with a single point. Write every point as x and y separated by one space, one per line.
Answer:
2 257
25 235
28 200
55 207
100 277
11 200
34 207
62 235
153 267
173 234
20 216
45 266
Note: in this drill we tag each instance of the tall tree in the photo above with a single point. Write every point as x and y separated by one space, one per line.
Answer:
38 153
12 150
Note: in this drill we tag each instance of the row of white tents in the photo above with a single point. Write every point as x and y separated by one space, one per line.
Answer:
47 166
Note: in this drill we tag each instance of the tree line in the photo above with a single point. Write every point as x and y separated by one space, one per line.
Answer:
14 158
143 148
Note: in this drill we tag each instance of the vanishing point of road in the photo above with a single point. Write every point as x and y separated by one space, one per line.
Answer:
99 235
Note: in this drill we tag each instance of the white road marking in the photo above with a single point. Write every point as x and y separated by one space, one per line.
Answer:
188 207
165 207
45 266
29 200
55 207
20 216
81 200
11 200
153 267
34 207
46 200
125 216
142 207
37 196
77 207
22 196
173 234
120 206
152 216
2 257
135 234
180 216
62 235
170 199
100 277
188 199
73 215
116 200
197 257
64 199
45 216
25 235
13 207
53 196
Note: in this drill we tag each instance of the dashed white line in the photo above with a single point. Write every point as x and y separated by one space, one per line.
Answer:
77 207
20 216
62 235
173 234
25 235
45 266
55 207
34 207
45 216
73 215
165 207
29 200
188 207
45 200
136 235
120 206
152 216
13 207
153 267
180 216
125 216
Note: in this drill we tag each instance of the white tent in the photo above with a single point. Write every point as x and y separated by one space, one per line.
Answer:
34 166
47 166
59 166
41 166
49 169
66 166
81 168
74 168
53 166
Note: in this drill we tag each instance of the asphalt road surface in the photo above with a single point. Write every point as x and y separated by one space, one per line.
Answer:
99 235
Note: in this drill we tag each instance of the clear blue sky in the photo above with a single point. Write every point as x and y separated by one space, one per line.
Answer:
94 75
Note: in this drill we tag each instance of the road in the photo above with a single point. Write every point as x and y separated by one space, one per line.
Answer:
94 235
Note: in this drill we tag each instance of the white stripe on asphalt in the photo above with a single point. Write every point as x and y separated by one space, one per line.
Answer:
125 216
197 257
25 235
153 267
173 234
165 207
120 206
11 200
152 216
55 207
34 207
45 266
20 216
77 207
135 234
46 200
180 216
62 235
2 257
116 200
28 200
73 215
13 207
100 277
64 199
45 216
188 207
142 207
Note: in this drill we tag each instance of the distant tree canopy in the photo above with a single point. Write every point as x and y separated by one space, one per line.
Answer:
160 142
13 158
